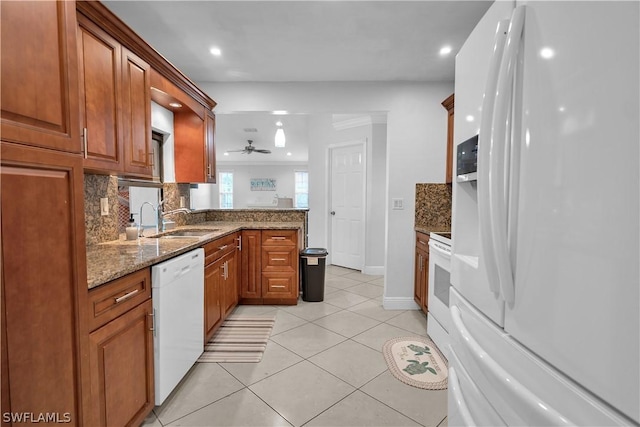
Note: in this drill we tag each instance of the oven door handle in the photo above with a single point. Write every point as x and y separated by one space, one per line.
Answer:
440 249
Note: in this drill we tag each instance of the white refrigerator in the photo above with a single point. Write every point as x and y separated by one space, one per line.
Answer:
545 297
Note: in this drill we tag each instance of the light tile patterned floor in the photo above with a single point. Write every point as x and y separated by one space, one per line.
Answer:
323 366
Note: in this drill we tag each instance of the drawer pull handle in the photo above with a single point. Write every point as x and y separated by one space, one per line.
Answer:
278 238
126 296
278 286
223 247
278 259
421 242
153 321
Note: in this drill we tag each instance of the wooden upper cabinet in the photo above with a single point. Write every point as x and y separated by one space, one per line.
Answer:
100 60
136 83
210 128
39 71
448 104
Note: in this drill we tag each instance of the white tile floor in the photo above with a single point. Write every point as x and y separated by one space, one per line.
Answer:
323 366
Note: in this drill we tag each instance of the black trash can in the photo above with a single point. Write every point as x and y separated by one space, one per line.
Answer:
312 263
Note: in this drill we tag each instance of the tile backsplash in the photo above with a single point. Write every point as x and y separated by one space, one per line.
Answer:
433 207
100 228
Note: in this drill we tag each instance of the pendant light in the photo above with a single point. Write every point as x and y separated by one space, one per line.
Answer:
280 138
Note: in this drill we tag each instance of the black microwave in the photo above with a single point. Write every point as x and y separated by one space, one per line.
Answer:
467 164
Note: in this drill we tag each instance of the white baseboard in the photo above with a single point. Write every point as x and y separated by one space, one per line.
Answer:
373 270
399 303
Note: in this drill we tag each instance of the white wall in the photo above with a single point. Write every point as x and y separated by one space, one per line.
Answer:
415 151
162 121
206 195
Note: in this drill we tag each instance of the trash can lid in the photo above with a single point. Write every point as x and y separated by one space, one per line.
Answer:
318 252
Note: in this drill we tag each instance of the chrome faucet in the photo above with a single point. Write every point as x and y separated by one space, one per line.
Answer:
140 229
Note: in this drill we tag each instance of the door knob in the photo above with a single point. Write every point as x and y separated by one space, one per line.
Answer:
333 212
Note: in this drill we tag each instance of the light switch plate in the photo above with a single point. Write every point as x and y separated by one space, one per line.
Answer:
183 202
104 206
398 204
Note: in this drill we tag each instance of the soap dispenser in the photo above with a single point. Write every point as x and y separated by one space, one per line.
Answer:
132 229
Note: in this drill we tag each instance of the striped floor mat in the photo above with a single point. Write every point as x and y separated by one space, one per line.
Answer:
239 339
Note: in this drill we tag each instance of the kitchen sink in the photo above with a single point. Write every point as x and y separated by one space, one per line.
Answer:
181 234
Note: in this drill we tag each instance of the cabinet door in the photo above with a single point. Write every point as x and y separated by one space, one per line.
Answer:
210 127
230 283
136 106
190 150
100 92
212 298
39 68
449 105
250 283
424 282
44 282
417 281
122 368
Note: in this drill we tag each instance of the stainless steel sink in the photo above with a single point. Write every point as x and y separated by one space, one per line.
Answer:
181 234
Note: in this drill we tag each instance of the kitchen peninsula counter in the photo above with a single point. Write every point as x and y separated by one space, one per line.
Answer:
111 260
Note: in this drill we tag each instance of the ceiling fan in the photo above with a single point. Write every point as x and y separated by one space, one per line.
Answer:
250 149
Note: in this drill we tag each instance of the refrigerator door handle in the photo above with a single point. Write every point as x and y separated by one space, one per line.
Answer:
484 144
515 394
458 398
497 177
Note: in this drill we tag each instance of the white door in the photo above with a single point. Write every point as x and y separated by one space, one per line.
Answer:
347 206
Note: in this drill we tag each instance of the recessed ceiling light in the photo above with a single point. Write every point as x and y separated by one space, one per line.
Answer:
278 123
226 153
445 50
280 112
470 118
215 51
175 104
289 153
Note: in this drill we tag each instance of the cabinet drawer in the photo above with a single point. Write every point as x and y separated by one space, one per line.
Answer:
279 237
279 285
422 241
115 298
220 247
280 258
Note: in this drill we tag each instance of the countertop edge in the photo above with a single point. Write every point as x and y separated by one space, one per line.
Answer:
96 279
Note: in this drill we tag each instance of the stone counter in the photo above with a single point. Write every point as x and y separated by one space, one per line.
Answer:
433 208
114 259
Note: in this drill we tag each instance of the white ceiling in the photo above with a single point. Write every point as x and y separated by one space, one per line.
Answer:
305 40
300 41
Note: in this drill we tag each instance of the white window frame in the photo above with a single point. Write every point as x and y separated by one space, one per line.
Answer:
220 193
295 188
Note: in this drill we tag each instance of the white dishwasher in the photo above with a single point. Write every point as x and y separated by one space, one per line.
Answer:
178 307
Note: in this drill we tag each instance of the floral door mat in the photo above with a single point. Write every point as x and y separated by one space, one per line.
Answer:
416 361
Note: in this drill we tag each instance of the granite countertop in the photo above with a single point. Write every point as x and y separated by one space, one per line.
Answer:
111 260
427 229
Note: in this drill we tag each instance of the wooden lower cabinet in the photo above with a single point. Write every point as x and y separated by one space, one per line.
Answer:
212 300
220 281
421 283
270 265
44 284
251 267
121 352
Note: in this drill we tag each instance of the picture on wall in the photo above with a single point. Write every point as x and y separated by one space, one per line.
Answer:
263 184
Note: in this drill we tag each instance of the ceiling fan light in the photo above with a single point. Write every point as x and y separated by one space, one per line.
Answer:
280 138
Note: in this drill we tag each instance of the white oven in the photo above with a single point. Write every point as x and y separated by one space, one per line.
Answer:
438 317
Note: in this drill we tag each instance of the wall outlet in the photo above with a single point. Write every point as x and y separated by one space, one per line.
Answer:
183 202
398 204
104 206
